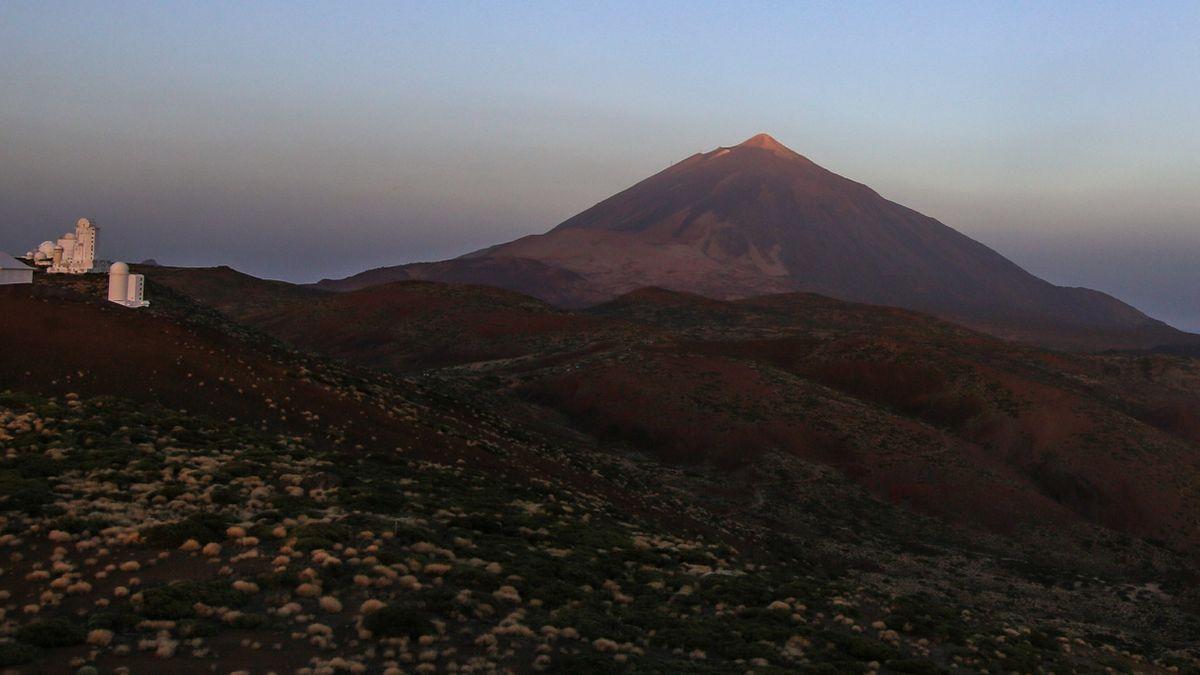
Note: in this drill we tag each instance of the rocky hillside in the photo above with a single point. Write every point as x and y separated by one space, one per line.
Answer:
182 491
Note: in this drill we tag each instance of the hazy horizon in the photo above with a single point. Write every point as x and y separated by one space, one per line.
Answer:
317 141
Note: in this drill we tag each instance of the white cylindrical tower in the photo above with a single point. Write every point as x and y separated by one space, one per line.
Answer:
136 290
67 243
118 283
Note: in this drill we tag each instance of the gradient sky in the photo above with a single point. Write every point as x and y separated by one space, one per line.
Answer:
308 140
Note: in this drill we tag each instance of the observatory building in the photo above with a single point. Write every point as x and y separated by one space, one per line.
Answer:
125 288
73 253
13 271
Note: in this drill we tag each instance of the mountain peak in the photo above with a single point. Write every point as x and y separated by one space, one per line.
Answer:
757 218
767 142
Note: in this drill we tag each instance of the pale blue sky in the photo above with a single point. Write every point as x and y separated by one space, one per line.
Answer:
304 140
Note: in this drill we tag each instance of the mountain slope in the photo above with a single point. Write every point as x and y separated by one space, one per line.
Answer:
706 487
917 411
758 218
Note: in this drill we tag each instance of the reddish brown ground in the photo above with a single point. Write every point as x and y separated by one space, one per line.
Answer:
68 343
919 411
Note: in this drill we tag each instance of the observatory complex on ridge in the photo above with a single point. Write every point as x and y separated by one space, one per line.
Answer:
75 253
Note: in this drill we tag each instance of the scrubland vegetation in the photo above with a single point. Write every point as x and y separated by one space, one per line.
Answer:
713 494
134 533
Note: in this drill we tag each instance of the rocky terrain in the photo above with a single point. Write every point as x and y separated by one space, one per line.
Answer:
255 477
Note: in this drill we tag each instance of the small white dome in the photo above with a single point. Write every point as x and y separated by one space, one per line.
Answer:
118 268
46 247
69 235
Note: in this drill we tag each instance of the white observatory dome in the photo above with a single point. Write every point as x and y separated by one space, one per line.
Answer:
46 248
69 235
118 268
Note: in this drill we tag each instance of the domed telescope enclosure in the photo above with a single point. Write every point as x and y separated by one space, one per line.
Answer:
125 288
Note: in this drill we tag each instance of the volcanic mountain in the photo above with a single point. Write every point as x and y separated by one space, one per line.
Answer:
758 218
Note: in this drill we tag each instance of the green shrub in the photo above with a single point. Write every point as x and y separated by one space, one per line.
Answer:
865 649
176 601
226 494
172 490
77 525
314 536
586 662
250 621
198 628
294 507
116 621
15 654
203 527
28 495
915 666
50 633
377 499
466 576
331 531
761 624
397 621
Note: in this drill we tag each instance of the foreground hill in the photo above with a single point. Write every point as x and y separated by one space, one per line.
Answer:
920 412
400 326
758 218
182 491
